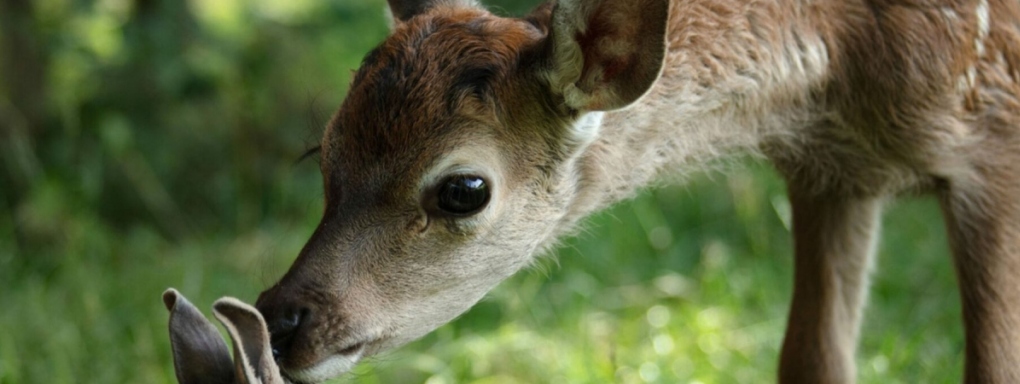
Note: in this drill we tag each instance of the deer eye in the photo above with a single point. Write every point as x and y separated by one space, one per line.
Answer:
463 195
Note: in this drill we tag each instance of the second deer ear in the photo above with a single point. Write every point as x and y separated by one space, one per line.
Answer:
606 54
253 358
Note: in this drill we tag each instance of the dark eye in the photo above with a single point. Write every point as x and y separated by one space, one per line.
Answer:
463 195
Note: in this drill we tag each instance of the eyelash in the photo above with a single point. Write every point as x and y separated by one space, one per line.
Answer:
308 153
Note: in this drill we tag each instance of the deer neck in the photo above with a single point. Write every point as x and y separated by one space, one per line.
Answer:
736 74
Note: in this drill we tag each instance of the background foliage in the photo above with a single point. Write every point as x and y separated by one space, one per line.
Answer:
150 143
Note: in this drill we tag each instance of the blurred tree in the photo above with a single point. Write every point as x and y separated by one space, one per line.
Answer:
23 65
152 78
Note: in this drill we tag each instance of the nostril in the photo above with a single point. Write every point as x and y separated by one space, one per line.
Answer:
290 321
287 322
283 327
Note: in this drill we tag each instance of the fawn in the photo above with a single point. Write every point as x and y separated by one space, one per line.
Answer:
468 143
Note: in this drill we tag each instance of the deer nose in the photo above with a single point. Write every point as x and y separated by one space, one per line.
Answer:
282 328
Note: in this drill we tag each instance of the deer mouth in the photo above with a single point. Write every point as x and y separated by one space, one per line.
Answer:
329 367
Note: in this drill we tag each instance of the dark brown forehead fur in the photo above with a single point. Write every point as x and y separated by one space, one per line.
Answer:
435 73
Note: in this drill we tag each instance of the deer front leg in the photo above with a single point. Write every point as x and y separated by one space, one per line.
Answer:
983 220
834 242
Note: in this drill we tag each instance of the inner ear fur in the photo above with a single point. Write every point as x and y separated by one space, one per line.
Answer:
606 54
253 359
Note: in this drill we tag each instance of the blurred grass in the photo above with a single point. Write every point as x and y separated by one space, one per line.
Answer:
150 144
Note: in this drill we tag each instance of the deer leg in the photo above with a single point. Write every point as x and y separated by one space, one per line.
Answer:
983 220
834 242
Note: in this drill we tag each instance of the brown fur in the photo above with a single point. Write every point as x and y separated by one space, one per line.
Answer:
854 102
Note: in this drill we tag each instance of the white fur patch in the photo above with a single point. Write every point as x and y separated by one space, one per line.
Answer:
333 366
983 27
587 128
967 81
816 55
950 14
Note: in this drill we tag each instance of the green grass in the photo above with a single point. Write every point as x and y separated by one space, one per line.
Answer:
683 284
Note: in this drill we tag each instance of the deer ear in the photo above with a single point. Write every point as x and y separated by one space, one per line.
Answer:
253 357
200 355
403 10
606 54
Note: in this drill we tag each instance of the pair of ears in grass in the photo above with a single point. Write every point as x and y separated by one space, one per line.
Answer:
201 356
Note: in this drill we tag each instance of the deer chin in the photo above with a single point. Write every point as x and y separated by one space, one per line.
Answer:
328 368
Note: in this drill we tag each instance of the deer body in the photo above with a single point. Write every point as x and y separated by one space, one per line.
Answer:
580 104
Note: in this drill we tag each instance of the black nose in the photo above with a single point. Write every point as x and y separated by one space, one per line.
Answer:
282 328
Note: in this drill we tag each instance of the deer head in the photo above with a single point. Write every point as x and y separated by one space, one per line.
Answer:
451 164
